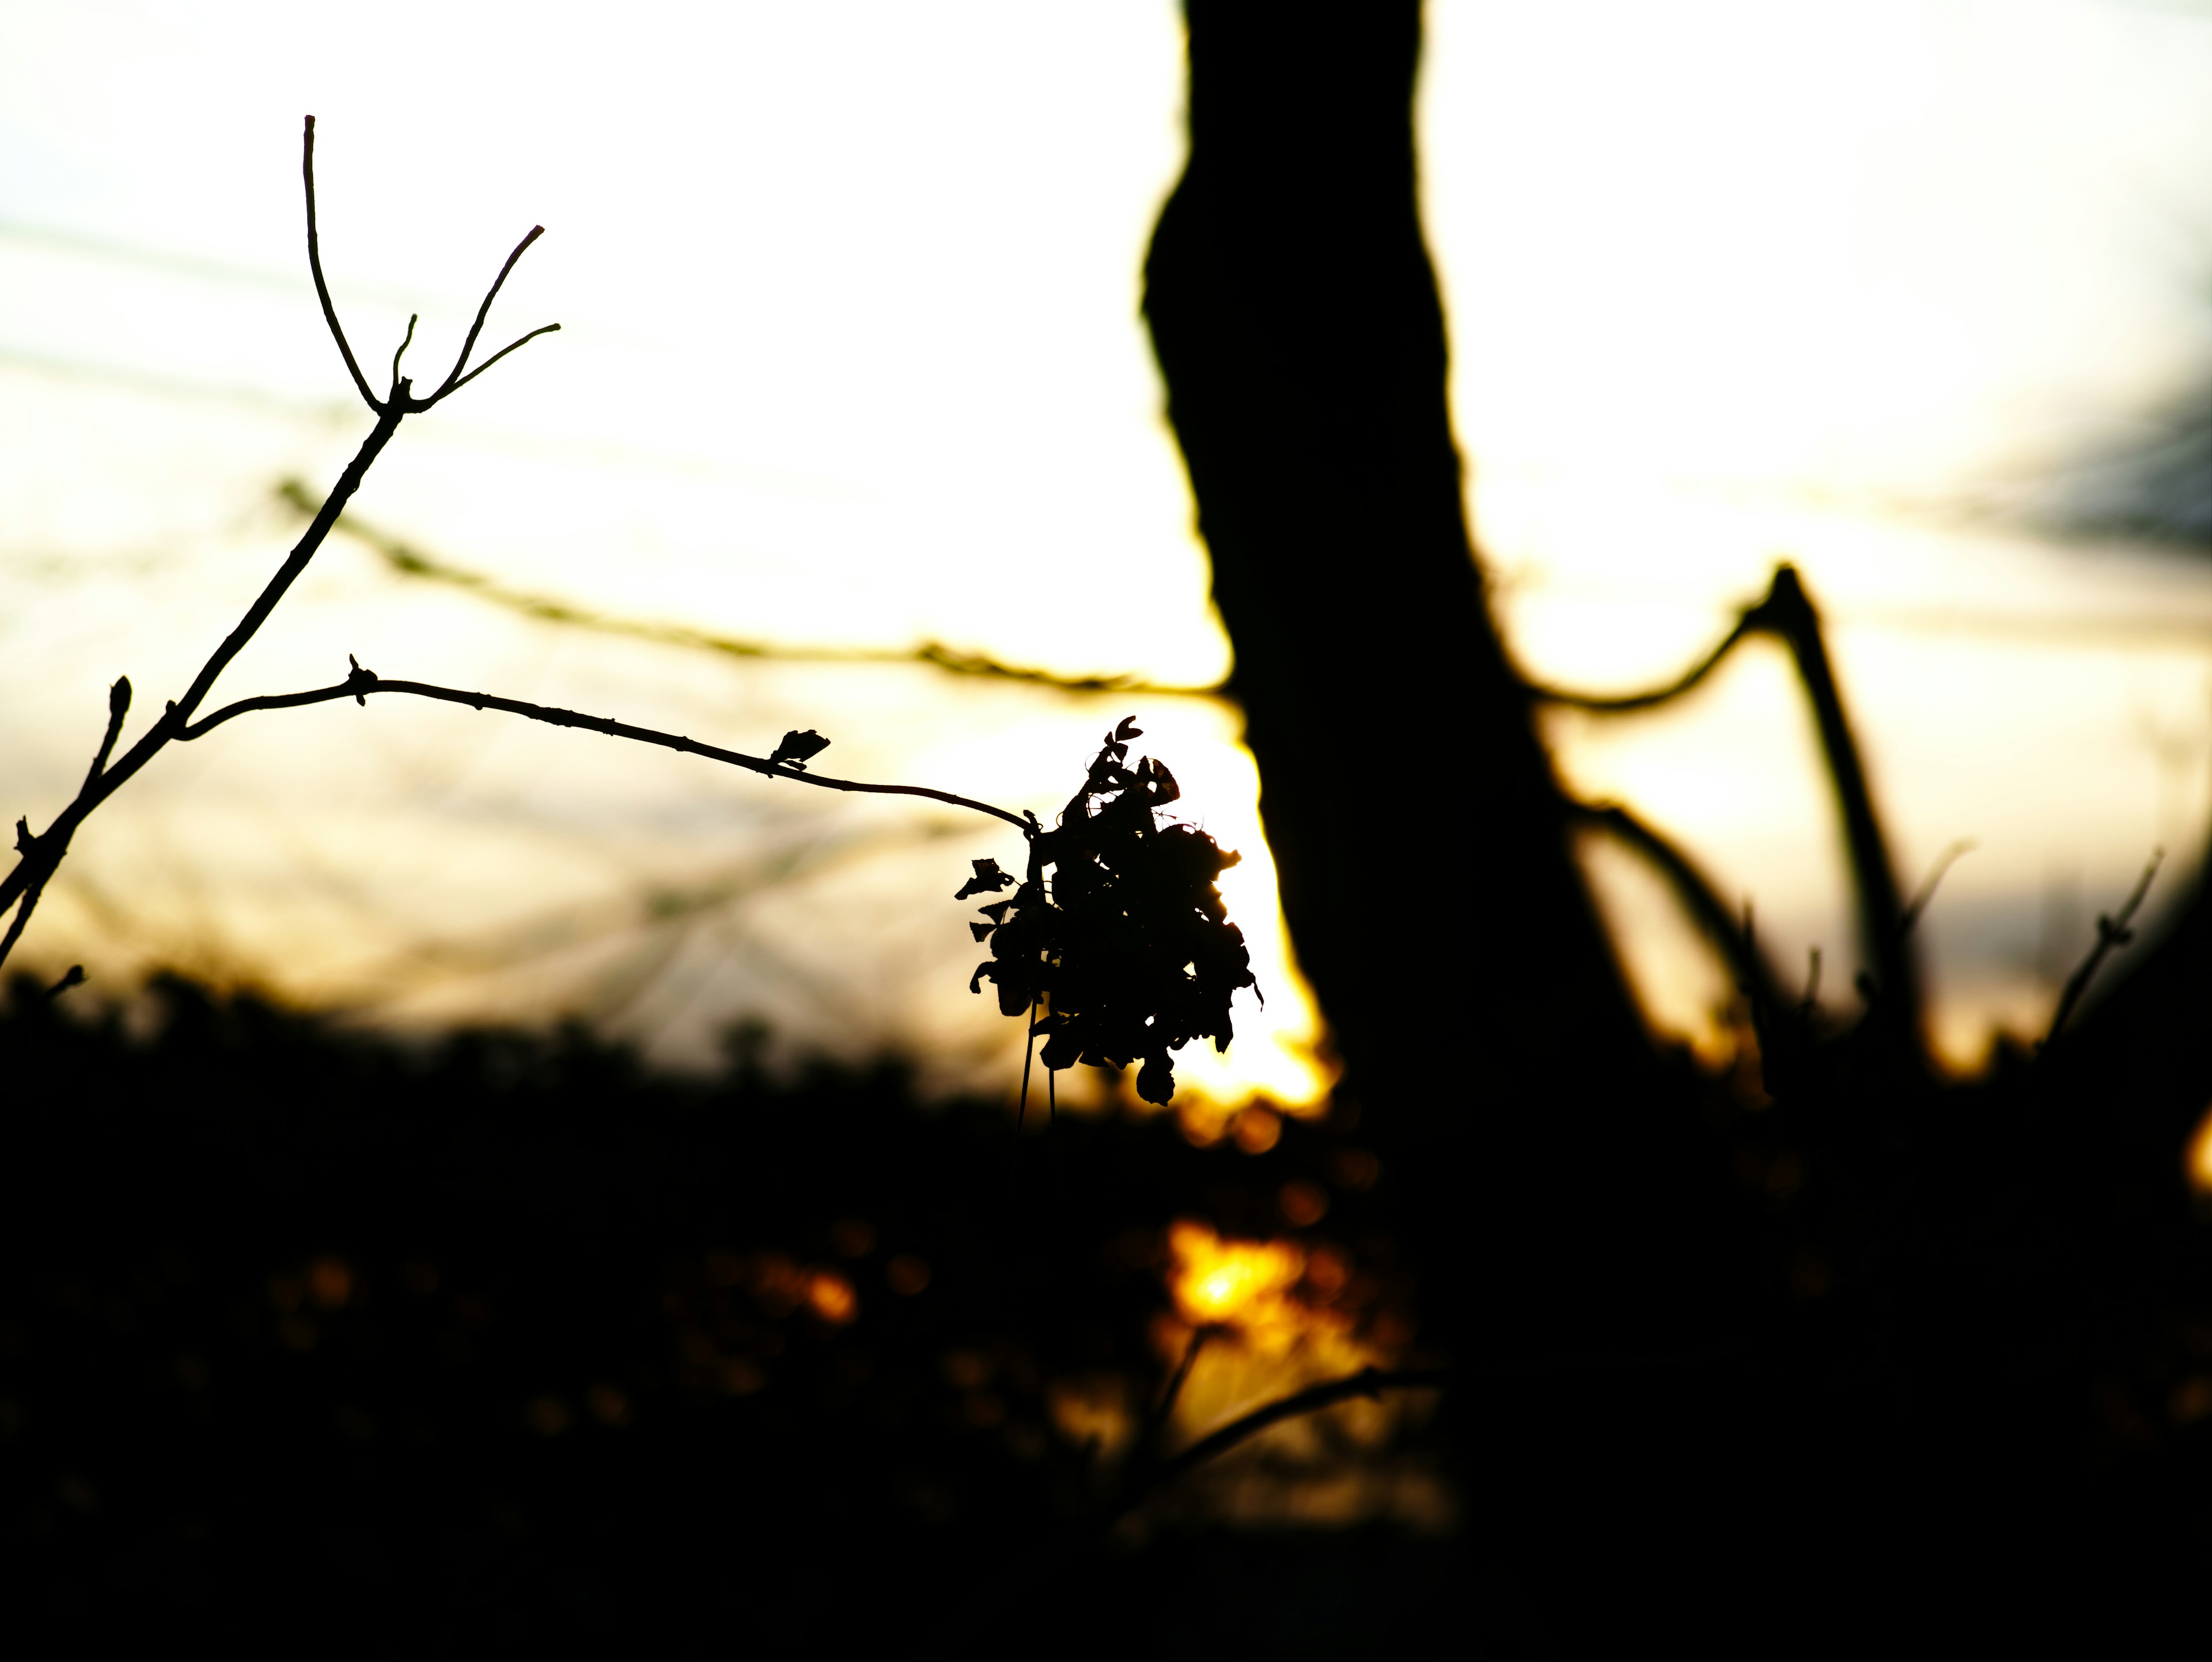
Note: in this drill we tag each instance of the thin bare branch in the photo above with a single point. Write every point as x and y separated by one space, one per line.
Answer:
1369 1382
483 311
412 317
412 561
315 264
296 561
22 916
1751 621
40 856
512 346
1166 1406
119 706
363 683
1735 943
2113 931
1926 891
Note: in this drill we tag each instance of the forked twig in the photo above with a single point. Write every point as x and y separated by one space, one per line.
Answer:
401 396
1787 613
40 856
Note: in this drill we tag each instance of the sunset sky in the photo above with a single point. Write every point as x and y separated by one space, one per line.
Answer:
851 358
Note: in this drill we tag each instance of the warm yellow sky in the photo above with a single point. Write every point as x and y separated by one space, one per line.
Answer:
852 357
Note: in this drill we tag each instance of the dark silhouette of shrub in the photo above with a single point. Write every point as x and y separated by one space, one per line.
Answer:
1129 947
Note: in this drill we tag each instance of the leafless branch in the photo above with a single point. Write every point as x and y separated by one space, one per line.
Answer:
362 683
1369 1382
119 706
1926 891
412 318
315 266
512 346
38 856
1788 614
413 561
1752 620
454 380
1699 898
2113 931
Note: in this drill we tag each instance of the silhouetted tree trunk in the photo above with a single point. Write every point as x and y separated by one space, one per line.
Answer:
1414 816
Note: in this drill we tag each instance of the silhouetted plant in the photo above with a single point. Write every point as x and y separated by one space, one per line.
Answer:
1129 949
40 853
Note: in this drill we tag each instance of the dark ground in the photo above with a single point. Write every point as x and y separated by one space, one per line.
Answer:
309 1345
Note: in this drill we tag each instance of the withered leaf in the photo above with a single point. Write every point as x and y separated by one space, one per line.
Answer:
797 747
988 880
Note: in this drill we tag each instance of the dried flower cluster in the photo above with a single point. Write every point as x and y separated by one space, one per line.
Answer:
1128 954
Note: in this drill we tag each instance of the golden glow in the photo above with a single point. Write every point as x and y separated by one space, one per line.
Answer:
1243 1284
1276 1317
2198 1161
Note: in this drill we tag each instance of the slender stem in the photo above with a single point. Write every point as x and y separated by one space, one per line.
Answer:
412 318
1926 893
411 560
387 424
366 683
119 706
1889 948
1699 897
22 916
1175 1383
1748 624
2111 931
483 311
315 266
512 346
41 856
1369 1382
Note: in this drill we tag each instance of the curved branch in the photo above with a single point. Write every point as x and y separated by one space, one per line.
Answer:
1752 620
315 264
359 685
411 560
1369 1382
1699 898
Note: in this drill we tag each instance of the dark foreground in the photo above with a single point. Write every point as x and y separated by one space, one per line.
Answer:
307 1346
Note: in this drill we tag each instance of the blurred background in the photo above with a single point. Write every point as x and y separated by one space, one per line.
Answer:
1915 293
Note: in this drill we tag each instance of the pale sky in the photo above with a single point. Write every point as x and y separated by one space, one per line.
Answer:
851 356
